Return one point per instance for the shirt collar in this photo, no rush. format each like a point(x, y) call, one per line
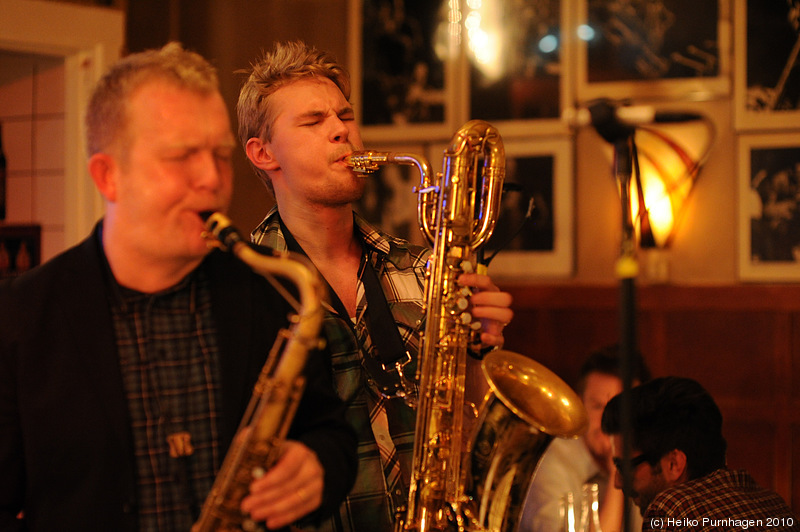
point(268, 233)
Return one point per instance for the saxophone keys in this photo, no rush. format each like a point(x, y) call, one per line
point(248, 525)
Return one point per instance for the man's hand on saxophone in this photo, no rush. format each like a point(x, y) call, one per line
point(490, 305)
point(291, 489)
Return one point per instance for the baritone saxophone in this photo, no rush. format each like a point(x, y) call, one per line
point(277, 392)
point(527, 406)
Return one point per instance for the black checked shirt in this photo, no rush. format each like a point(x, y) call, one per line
point(168, 355)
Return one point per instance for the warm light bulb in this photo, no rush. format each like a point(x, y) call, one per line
point(659, 208)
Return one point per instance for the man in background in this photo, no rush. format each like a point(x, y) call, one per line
point(569, 464)
point(679, 477)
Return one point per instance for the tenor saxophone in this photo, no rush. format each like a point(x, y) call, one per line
point(277, 391)
point(483, 489)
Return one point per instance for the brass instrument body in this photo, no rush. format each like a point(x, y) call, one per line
point(278, 389)
point(471, 181)
point(481, 490)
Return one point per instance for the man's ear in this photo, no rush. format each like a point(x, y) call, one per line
point(103, 169)
point(673, 464)
point(260, 154)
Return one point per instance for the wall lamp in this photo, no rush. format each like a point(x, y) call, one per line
point(657, 159)
point(667, 162)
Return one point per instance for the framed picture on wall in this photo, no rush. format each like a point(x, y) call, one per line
point(769, 214)
point(514, 65)
point(402, 58)
point(534, 234)
point(645, 49)
point(767, 76)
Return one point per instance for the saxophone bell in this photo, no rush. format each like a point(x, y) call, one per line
point(526, 408)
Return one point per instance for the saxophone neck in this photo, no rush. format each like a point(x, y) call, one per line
point(368, 162)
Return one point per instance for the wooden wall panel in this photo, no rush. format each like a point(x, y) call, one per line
point(731, 353)
point(751, 446)
point(741, 342)
point(558, 338)
point(795, 468)
point(794, 358)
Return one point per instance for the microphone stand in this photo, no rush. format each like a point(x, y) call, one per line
point(621, 137)
point(626, 269)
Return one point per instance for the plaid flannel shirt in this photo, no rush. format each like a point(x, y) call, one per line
point(401, 270)
point(168, 355)
point(724, 500)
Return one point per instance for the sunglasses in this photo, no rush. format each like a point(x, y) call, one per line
point(635, 462)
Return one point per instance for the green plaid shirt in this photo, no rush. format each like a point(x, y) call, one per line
point(401, 270)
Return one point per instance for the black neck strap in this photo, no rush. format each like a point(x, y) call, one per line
point(382, 328)
point(386, 340)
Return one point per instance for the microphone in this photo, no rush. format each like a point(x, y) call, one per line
point(614, 121)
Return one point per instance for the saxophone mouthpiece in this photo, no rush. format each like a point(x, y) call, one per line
point(363, 162)
point(220, 230)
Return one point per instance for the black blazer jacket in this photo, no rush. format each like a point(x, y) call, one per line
point(65, 441)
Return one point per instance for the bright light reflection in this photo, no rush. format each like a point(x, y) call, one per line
point(484, 38)
point(473, 21)
point(570, 509)
point(548, 43)
point(447, 37)
point(668, 162)
point(478, 41)
point(586, 32)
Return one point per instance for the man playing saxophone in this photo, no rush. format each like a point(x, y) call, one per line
point(298, 127)
point(127, 361)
